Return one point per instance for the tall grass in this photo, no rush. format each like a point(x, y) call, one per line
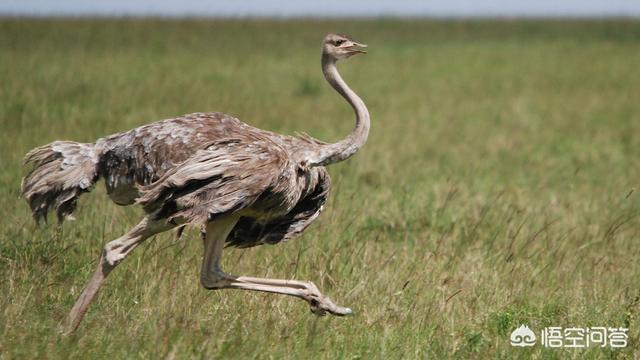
point(498, 187)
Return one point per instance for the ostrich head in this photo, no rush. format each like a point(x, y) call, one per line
point(338, 47)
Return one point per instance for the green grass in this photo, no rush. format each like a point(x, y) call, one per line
point(498, 187)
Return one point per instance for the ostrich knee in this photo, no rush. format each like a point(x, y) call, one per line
point(214, 280)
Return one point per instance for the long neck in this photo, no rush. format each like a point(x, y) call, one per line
point(343, 149)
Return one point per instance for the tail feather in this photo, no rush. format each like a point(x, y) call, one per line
point(61, 172)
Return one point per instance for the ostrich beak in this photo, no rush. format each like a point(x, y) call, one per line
point(357, 48)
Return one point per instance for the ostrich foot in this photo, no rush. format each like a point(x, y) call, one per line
point(323, 305)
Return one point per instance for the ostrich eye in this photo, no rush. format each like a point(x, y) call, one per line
point(339, 42)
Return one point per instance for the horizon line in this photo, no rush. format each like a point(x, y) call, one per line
point(193, 16)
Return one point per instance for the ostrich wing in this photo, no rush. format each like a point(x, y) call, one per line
point(227, 176)
point(250, 232)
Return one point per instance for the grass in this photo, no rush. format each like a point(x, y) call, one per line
point(498, 187)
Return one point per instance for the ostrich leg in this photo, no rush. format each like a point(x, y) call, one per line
point(213, 278)
point(114, 252)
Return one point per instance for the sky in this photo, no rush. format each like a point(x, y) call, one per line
point(325, 8)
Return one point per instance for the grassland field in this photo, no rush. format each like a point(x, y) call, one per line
point(499, 187)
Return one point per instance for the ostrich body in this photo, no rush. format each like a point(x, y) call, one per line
point(244, 186)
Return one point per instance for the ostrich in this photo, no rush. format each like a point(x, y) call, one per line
point(243, 186)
